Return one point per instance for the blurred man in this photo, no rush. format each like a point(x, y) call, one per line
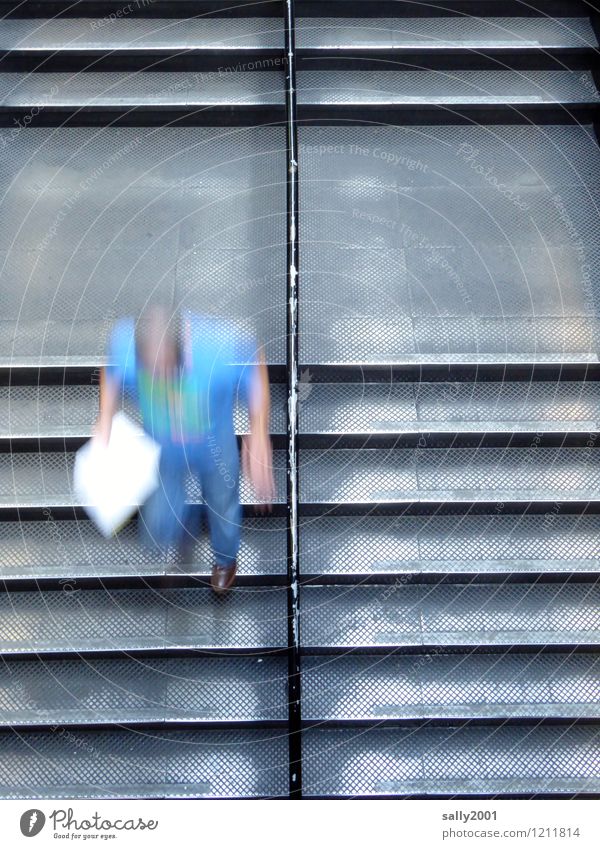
point(185, 372)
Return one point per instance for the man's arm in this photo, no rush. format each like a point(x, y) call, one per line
point(257, 452)
point(109, 397)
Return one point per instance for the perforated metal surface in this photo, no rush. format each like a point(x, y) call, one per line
point(141, 88)
point(140, 34)
point(448, 245)
point(95, 219)
point(451, 760)
point(74, 549)
point(75, 620)
point(445, 87)
point(67, 692)
point(434, 686)
point(45, 411)
point(450, 615)
point(403, 408)
point(45, 480)
point(448, 544)
point(126, 764)
point(372, 475)
point(436, 33)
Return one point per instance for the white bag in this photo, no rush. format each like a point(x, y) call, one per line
point(111, 481)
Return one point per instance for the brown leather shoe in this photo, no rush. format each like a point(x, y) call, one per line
point(222, 577)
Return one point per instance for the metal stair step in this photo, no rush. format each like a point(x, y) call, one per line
point(135, 691)
point(414, 616)
point(454, 475)
point(502, 406)
point(151, 36)
point(450, 761)
point(41, 412)
point(126, 764)
point(38, 480)
point(71, 621)
point(378, 546)
point(416, 35)
point(458, 687)
point(156, 90)
point(67, 551)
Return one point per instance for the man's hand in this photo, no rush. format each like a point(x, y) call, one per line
point(257, 463)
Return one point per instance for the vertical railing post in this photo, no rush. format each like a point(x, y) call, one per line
point(294, 706)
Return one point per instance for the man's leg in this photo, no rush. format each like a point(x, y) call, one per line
point(162, 518)
point(220, 481)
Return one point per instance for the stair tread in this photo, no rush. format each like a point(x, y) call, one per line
point(31, 479)
point(384, 88)
point(127, 620)
point(125, 690)
point(520, 406)
point(69, 550)
point(551, 759)
point(433, 33)
point(141, 89)
point(438, 686)
point(378, 475)
point(449, 615)
point(126, 764)
point(41, 411)
point(379, 545)
point(140, 34)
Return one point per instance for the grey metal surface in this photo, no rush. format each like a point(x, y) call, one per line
point(69, 550)
point(72, 691)
point(431, 33)
point(49, 411)
point(450, 615)
point(449, 244)
point(127, 764)
point(373, 475)
point(132, 89)
point(495, 544)
point(45, 480)
point(501, 406)
point(74, 620)
point(381, 88)
point(437, 686)
point(92, 220)
point(140, 34)
point(551, 759)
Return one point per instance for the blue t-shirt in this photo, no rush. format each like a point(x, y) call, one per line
point(219, 365)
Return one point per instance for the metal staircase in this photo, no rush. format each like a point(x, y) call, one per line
point(420, 614)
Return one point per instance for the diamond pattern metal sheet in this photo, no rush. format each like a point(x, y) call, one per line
point(404, 408)
point(45, 480)
point(140, 34)
point(550, 759)
point(380, 545)
point(448, 245)
point(434, 686)
point(126, 764)
point(49, 411)
point(141, 89)
point(384, 88)
point(71, 691)
point(74, 549)
point(74, 620)
point(374, 476)
point(450, 615)
point(433, 33)
point(90, 215)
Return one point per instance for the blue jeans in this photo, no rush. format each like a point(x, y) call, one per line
point(165, 517)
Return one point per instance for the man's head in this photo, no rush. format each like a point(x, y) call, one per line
point(156, 337)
